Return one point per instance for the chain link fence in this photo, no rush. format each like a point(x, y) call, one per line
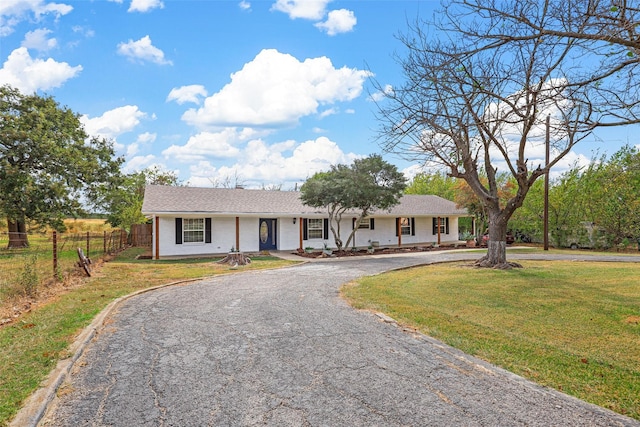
point(49, 257)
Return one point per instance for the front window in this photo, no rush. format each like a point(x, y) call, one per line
point(442, 225)
point(365, 223)
point(193, 230)
point(315, 228)
point(405, 226)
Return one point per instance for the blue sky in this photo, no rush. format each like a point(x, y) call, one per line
point(259, 92)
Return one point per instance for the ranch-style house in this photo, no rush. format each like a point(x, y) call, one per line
point(193, 221)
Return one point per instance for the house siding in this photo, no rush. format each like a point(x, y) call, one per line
point(223, 235)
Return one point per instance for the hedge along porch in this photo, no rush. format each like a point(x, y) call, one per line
point(190, 221)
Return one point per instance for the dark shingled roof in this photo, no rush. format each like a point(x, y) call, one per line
point(159, 199)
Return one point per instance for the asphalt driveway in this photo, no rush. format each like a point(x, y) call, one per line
point(282, 348)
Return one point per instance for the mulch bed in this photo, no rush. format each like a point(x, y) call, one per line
point(377, 251)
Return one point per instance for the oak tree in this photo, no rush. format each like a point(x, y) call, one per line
point(123, 201)
point(369, 184)
point(49, 167)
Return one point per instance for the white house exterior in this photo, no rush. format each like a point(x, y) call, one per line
point(190, 221)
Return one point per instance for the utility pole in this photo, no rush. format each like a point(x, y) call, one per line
point(546, 188)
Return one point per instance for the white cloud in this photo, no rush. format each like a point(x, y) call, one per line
point(113, 122)
point(206, 145)
point(30, 75)
point(133, 149)
point(537, 158)
point(145, 5)
point(338, 21)
point(305, 9)
point(191, 93)
point(379, 96)
point(286, 162)
point(38, 40)
point(143, 50)
point(12, 12)
point(328, 112)
point(139, 163)
point(84, 31)
point(245, 5)
point(146, 138)
point(276, 89)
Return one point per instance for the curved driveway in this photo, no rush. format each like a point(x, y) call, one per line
point(281, 348)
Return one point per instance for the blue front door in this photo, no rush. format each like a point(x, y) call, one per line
point(268, 233)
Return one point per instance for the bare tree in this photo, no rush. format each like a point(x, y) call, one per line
point(482, 81)
point(228, 181)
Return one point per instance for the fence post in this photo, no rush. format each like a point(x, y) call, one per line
point(104, 242)
point(55, 254)
point(87, 244)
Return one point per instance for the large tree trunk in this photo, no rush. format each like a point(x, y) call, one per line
point(497, 245)
point(17, 234)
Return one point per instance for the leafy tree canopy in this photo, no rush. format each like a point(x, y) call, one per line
point(124, 200)
point(49, 167)
point(365, 186)
point(437, 184)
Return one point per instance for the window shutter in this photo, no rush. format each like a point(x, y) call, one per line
point(353, 223)
point(207, 230)
point(178, 231)
point(435, 224)
point(413, 226)
point(397, 226)
point(446, 225)
point(326, 228)
point(305, 235)
point(372, 222)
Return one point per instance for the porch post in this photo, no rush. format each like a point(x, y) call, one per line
point(438, 230)
point(399, 231)
point(157, 236)
point(300, 233)
point(238, 234)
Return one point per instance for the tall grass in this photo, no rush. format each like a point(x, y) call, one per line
point(24, 271)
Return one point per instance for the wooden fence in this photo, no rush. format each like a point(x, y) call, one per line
point(140, 235)
point(52, 256)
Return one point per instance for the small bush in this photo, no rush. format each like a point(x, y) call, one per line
point(28, 280)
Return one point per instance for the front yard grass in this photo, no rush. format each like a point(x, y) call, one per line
point(572, 326)
point(31, 347)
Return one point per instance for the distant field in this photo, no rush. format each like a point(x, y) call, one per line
point(73, 225)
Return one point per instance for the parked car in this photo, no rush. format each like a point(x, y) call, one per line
point(586, 236)
point(484, 240)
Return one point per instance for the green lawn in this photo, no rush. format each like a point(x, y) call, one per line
point(573, 326)
point(31, 347)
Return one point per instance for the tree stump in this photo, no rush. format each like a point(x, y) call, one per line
point(235, 259)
